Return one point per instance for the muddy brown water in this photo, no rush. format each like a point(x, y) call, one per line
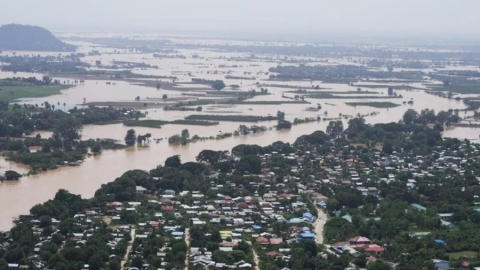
point(18, 197)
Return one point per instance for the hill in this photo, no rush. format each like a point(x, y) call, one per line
point(30, 38)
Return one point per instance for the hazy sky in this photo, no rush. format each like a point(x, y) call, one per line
point(269, 18)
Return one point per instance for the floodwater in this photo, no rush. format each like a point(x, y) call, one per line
point(18, 197)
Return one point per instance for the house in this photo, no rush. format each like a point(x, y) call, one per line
point(170, 192)
point(445, 216)
point(262, 240)
point(374, 249)
point(141, 190)
point(276, 241)
point(441, 264)
point(305, 236)
point(168, 208)
point(446, 224)
point(308, 217)
point(419, 207)
point(440, 241)
point(359, 240)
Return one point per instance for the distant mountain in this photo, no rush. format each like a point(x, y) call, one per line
point(30, 38)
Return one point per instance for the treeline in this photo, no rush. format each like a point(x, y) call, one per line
point(44, 64)
point(20, 81)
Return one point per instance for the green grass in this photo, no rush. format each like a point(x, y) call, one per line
point(330, 96)
point(197, 102)
point(271, 102)
point(231, 118)
point(145, 123)
point(311, 92)
point(235, 93)
point(374, 104)
point(458, 255)
point(193, 122)
point(158, 123)
point(12, 93)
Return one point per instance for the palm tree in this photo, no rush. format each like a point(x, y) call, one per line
point(64, 104)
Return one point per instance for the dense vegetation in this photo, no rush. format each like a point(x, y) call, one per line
point(64, 147)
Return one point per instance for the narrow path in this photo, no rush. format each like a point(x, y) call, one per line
point(129, 248)
point(319, 224)
point(187, 242)
point(255, 256)
point(256, 260)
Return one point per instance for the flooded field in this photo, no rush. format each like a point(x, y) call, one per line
point(18, 197)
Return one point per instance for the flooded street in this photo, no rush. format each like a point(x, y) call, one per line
point(18, 197)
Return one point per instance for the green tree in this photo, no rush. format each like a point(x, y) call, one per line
point(130, 138)
point(185, 134)
point(409, 116)
point(387, 147)
point(284, 124)
point(173, 162)
point(335, 129)
point(95, 262)
point(218, 85)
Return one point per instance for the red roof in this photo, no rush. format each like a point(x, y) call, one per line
point(154, 223)
point(374, 248)
point(228, 244)
point(112, 204)
point(465, 264)
point(371, 259)
point(262, 240)
point(276, 241)
point(273, 254)
point(167, 208)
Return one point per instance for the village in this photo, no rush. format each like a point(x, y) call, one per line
point(322, 202)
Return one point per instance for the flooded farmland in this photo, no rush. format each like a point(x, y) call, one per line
point(249, 73)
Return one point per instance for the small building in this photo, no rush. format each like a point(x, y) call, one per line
point(359, 240)
point(308, 217)
point(419, 207)
point(141, 190)
point(446, 224)
point(169, 192)
point(441, 264)
point(445, 216)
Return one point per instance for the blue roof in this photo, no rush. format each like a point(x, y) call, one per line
point(439, 241)
point(307, 215)
point(256, 227)
point(177, 233)
point(307, 235)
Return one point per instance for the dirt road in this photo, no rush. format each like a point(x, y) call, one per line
point(319, 224)
point(187, 242)
point(129, 248)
